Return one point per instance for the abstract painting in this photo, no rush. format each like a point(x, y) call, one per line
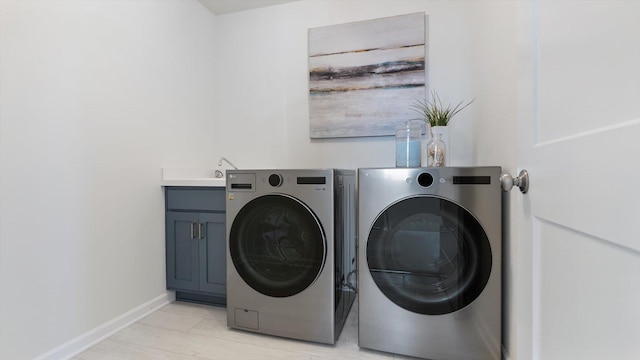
point(364, 76)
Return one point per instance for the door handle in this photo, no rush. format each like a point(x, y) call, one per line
point(200, 231)
point(192, 231)
point(521, 181)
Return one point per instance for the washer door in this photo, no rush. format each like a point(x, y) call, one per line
point(429, 255)
point(277, 245)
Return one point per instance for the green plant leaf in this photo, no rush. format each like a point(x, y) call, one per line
point(435, 112)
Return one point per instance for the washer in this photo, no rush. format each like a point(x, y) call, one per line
point(291, 251)
point(430, 262)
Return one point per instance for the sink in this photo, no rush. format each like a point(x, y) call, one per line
point(191, 177)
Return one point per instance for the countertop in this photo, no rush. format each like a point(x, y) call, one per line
point(191, 177)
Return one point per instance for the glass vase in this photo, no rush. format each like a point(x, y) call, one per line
point(436, 151)
point(408, 138)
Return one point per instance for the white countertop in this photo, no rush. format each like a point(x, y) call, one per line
point(191, 177)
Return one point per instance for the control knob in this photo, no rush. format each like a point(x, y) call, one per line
point(275, 180)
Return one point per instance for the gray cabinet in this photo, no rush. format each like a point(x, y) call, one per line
point(196, 243)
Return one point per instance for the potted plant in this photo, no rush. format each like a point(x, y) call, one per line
point(435, 112)
point(437, 115)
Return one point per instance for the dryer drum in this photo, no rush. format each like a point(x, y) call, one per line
point(277, 245)
point(429, 255)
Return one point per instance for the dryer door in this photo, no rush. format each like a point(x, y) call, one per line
point(277, 245)
point(429, 255)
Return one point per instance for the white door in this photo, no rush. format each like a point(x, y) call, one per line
point(578, 287)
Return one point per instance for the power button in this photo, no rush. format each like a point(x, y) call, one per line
point(275, 180)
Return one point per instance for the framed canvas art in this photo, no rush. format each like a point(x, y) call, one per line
point(364, 76)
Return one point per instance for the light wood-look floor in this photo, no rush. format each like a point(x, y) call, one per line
point(186, 331)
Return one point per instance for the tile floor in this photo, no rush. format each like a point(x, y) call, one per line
point(186, 331)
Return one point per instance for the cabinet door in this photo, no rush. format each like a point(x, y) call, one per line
point(182, 251)
point(213, 269)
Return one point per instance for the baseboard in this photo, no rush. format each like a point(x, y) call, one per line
point(92, 337)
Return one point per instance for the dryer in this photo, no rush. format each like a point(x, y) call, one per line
point(291, 251)
point(430, 262)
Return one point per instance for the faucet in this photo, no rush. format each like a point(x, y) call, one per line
point(227, 161)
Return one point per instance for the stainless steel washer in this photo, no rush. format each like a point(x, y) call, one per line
point(430, 261)
point(291, 252)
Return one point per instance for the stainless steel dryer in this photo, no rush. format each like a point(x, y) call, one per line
point(291, 252)
point(430, 262)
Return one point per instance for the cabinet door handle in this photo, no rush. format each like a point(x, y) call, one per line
point(192, 231)
point(200, 231)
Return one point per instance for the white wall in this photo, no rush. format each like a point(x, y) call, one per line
point(494, 131)
point(263, 81)
point(263, 87)
point(96, 97)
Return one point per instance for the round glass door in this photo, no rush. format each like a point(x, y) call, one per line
point(277, 245)
point(429, 255)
